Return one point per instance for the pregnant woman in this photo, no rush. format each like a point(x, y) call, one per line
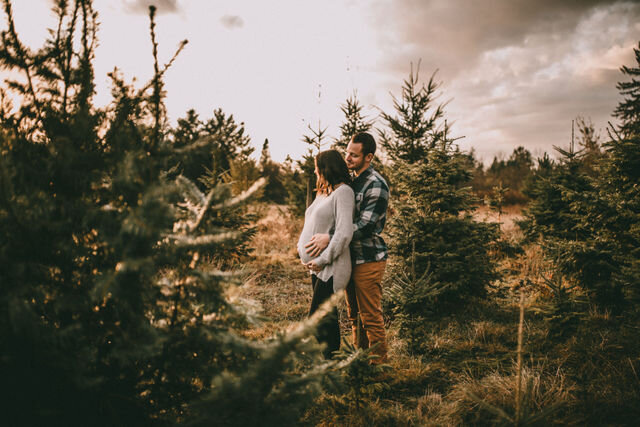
point(331, 212)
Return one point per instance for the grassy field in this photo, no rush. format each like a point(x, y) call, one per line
point(579, 364)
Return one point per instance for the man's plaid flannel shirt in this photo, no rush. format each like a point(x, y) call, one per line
point(372, 197)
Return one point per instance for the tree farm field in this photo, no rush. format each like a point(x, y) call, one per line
point(472, 352)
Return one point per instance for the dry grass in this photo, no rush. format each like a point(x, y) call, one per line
point(594, 373)
point(278, 282)
point(499, 390)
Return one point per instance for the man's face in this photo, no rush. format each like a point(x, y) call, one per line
point(355, 160)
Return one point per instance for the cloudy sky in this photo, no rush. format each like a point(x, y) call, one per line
point(514, 72)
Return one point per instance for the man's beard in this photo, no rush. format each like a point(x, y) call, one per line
point(356, 166)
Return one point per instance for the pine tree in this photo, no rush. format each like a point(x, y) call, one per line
point(512, 173)
point(302, 189)
point(417, 127)
point(216, 152)
point(436, 217)
point(274, 190)
point(433, 202)
point(589, 140)
point(110, 313)
point(619, 182)
point(564, 213)
point(210, 147)
point(354, 122)
point(585, 208)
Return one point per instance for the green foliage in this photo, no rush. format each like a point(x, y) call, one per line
point(216, 153)
point(497, 199)
point(274, 191)
point(564, 309)
point(302, 179)
point(413, 300)
point(586, 209)
point(433, 201)
point(362, 377)
point(111, 312)
point(278, 385)
point(416, 129)
point(210, 146)
point(436, 218)
point(564, 213)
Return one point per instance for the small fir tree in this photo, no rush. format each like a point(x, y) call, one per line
point(354, 122)
point(416, 129)
point(302, 189)
point(274, 190)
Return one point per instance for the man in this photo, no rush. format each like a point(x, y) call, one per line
point(368, 249)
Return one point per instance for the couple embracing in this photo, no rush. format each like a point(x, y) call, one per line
point(341, 245)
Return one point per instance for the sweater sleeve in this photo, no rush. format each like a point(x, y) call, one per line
point(344, 206)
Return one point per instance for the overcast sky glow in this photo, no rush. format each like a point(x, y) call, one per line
point(516, 72)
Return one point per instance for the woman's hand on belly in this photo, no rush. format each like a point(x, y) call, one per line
point(312, 266)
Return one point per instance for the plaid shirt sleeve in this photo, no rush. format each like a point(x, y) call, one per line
point(372, 210)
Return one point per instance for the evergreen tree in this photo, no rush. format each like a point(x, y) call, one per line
point(433, 203)
point(416, 129)
point(302, 189)
point(214, 153)
point(354, 122)
point(274, 190)
point(210, 147)
point(433, 212)
point(589, 140)
point(110, 313)
point(587, 209)
point(228, 138)
point(558, 214)
point(620, 175)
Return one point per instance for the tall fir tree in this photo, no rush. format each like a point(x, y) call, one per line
point(417, 128)
point(588, 214)
point(432, 227)
point(620, 178)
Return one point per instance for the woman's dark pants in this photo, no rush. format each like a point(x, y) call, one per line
point(328, 331)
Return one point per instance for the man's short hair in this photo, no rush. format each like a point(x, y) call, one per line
point(367, 141)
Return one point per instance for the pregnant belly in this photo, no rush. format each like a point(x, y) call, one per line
point(304, 257)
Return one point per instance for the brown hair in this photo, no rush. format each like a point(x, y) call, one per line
point(367, 141)
point(332, 170)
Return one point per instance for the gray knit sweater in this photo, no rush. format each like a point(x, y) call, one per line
point(331, 214)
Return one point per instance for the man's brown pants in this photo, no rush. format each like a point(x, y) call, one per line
point(364, 296)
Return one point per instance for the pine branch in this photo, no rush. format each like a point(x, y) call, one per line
point(241, 197)
point(182, 241)
point(156, 76)
point(23, 56)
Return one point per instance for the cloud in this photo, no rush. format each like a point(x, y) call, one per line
point(232, 21)
point(518, 71)
point(142, 6)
